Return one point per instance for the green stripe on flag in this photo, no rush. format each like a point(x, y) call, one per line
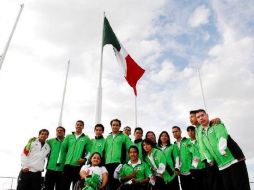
point(109, 36)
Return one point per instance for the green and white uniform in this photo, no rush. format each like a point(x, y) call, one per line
point(74, 148)
point(157, 160)
point(214, 142)
point(142, 168)
point(182, 155)
point(116, 147)
point(98, 144)
point(168, 152)
point(53, 160)
point(138, 144)
point(198, 134)
point(197, 163)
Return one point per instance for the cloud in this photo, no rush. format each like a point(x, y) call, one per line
point(199, 17)
point(235, 16)
point(165, 74)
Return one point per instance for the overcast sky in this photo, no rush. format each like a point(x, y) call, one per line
point(169, 39)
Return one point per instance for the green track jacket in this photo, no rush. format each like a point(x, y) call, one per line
point(73, 149)
point(168, 152)
point(183, 155)
point(138, 143)
point(211, 142)
point(143, 170)
point(160, 161)
point(196, 156)
point(55, 147)
point(115, 150)
point(98, 144)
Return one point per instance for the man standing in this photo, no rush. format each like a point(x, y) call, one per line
point(33, 161)
point(74, 150)
point(115, 151)
point(231, 164)
point(53, 177)
point(182, 158)
point(138, 133)
point(212, 177)
point(198, 171)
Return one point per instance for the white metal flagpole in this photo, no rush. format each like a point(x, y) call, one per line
point(99, 94)
point(99, 90)
point(10, 37)
point(64, 91)
point(202, 90)
point(136, 114)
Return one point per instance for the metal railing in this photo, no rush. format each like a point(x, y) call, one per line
point(8, 183)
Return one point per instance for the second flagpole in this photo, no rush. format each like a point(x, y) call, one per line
point(64, 91)
point(136, 113)
point(99, 90)
point(10, 37)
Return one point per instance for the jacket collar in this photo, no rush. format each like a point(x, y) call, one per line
point(137, 141)
point(82, 134)
point(139, 162)
point(100, 137)
point(182, 139)
point(119, 132)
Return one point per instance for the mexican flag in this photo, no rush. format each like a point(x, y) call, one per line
point(132, 71)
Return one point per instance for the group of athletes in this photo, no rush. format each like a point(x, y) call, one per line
point(209, 159)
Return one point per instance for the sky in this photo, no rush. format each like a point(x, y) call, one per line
point(171, 40)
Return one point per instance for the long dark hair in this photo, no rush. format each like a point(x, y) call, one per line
point(153, 135)
point(147, 141)
point(159, 140)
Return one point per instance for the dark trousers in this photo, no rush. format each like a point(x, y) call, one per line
point(29, 181)
point(113, 183)
point(236, 177)
point(186, 182)
point(198, 178)
point(53, 179)
point(159, 183)
point(70, 175)
point(213, 178)
point(174, 184)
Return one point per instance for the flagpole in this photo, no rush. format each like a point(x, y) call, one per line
point(136, 113)
point(202, 89)
point(64, 91)
point(10, 37)
point(99, 89)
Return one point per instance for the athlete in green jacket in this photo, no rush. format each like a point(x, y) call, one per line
point(183, 158)
point(138, 133)
point(115, 151)
point(98, 142)
point(198, 170)
point(215, 141)
point(157, 161)
point(135, 174)
point(75, 148)
point(210, 174)
point(53, 177)
point(167, 148)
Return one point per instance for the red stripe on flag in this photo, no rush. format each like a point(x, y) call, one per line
point(134, 73)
